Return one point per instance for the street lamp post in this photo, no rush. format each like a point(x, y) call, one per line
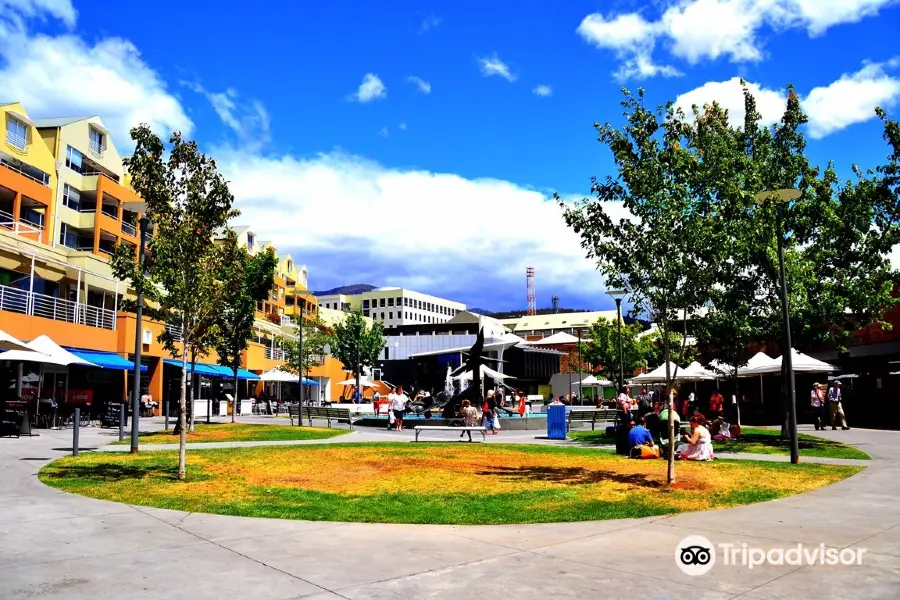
point(300, 369)
point(781, 197)
point(618, 295)
point(144, 223)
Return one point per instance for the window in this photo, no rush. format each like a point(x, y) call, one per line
point(382, 316)
point(71, 197)
point(399, 301)
point(366, 312)
point(387, 353)
point(406, 302)
point(365, 304)
point(95, 144)
point(250, 241)
point(390, 301)
point(290, 266)
point(390, 315)
point(74, 159)
point(67, 238)
point(381, 302)
point(16, 132)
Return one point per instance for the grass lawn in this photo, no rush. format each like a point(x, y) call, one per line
point(754, 441)
point(429, 483)
point(240, 432)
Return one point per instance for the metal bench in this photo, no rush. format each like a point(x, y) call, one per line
point(603, 416)
point(420, 428)
point(330, 414)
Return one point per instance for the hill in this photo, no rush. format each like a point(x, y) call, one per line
point(347, 290)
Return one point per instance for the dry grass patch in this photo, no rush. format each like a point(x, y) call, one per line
point(462, 484)
point(240, 432)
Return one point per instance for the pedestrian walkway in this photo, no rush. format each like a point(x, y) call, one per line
point(61, 546)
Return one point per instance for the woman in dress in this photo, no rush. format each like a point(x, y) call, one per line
point(469, 415)
point(697, 445)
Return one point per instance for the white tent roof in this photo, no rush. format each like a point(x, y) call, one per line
point(696, 372)
point(801, 363)
point(658, 374)
point(757, 361)
point(8, 342)
point(352, 382)
point(44, 350)
point(485, 372)
point(592, 380)
point(277, 374)
point(560, 337)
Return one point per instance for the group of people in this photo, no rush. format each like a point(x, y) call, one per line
point(647, 416)
point(825, 406)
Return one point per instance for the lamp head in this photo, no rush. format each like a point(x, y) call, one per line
point(617, 294)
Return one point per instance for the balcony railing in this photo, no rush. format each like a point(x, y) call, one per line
point(95, 147)
point(15, 140)
point(129, 229)
point(89, 172)
point(38, 305)
point(274, 353)
point(31, 173)
point(110, 211)
point(174, 331)
point(20, 227)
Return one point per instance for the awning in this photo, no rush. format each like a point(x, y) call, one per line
point(202, 368)
point(242, 374)
point(106, 360)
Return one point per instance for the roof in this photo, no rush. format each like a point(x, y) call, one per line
point(58, 122)
point(560, 337)
point(558, 320)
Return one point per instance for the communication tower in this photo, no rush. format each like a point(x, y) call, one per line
point(554, 301)
point(531, 308)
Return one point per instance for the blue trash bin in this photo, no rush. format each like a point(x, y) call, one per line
point(556, 421)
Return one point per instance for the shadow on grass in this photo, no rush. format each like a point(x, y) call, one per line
point(569, 475)
point(110, 472)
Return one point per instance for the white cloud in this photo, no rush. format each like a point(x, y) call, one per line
point(384, 132)
point(370, 89)
point(429, 22)
point(420, 83)
point(463, 255)
point(697, 30)
point(64, 76)
point(730, 96)
point(20, 10)
point(493, 66)
point(851, 99)
point(542, 90)
point(402, 126)
point(249, 120)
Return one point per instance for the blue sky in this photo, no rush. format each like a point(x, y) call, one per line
point(435, 174)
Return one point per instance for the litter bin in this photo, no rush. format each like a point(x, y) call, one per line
point(556, 421)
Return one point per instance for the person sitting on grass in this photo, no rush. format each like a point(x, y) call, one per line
point(698, 444)
point(641, 442)
point(664, 426)
point(469, 416)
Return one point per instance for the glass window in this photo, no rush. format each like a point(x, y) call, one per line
point(390, 315)
point(390, 301)
point(16, 132)
point(96, 141)
point(399, 301)
point(406, 302)
point(67, 238)
point(71, 197)
point(249, 241)
point(381, 302)
point(74, 159)
point(387, 354)
point(382, 316)
point(365, 304)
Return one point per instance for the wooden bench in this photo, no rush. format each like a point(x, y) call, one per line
point(420, 428)
point(330, 414)
point(603, 416)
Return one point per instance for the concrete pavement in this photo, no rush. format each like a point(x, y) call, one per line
point(57, 545)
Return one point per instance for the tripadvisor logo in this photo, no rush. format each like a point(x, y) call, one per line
point(696, 555)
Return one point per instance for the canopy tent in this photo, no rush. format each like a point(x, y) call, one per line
point(485, 372)
point(8, 342)
point(757, 361)
point(558, 338)
point(282, 376)
point(696, 372)
point(105, 360)
point(352, 382)
point(801, 363)
point(658, 375)
point(591, 381)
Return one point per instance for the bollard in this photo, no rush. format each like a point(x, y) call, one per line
point(166, 412)
point(121, 422)
point(75, 430)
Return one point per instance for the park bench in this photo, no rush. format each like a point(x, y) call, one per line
point(594, 416)
point(420, 428)
point(328, 413)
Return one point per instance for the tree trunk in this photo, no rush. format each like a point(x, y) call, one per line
point(182, 405)
point(234, 401)
point(737, 394)
point(670, 472)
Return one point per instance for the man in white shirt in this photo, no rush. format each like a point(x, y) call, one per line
point(834, 406)
point(399, 401)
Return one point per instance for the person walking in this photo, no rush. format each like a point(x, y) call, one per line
point(469, 415)
point(398, 406)
point(835, 409)
point(817, 406)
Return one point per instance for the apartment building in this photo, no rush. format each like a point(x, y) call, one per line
point(396, 306)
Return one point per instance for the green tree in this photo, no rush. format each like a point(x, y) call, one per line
point(246, 280)
point(356, 344)
point(316, 338)
point(601, 348)
point(660, 252)
point(188, 201)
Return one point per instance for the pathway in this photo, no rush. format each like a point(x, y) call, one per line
point(57, 545)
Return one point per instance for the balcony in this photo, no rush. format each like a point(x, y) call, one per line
point(20, 227)
point(58, 309)
point(15, 140)
point(24, 170)
point(275, 353)
point(129, 229)
point(174, 331)
point(95, 148)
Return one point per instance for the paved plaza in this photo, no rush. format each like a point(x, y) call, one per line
point(57, 545)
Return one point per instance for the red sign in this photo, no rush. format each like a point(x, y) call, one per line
point(75, 396)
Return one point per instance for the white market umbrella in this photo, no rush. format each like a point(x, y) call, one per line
point(801, 363)
point(556, 339)
point(352, 382)
point(591, 381)
point(658, 375)
point(279, 375)
point(696, 372)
